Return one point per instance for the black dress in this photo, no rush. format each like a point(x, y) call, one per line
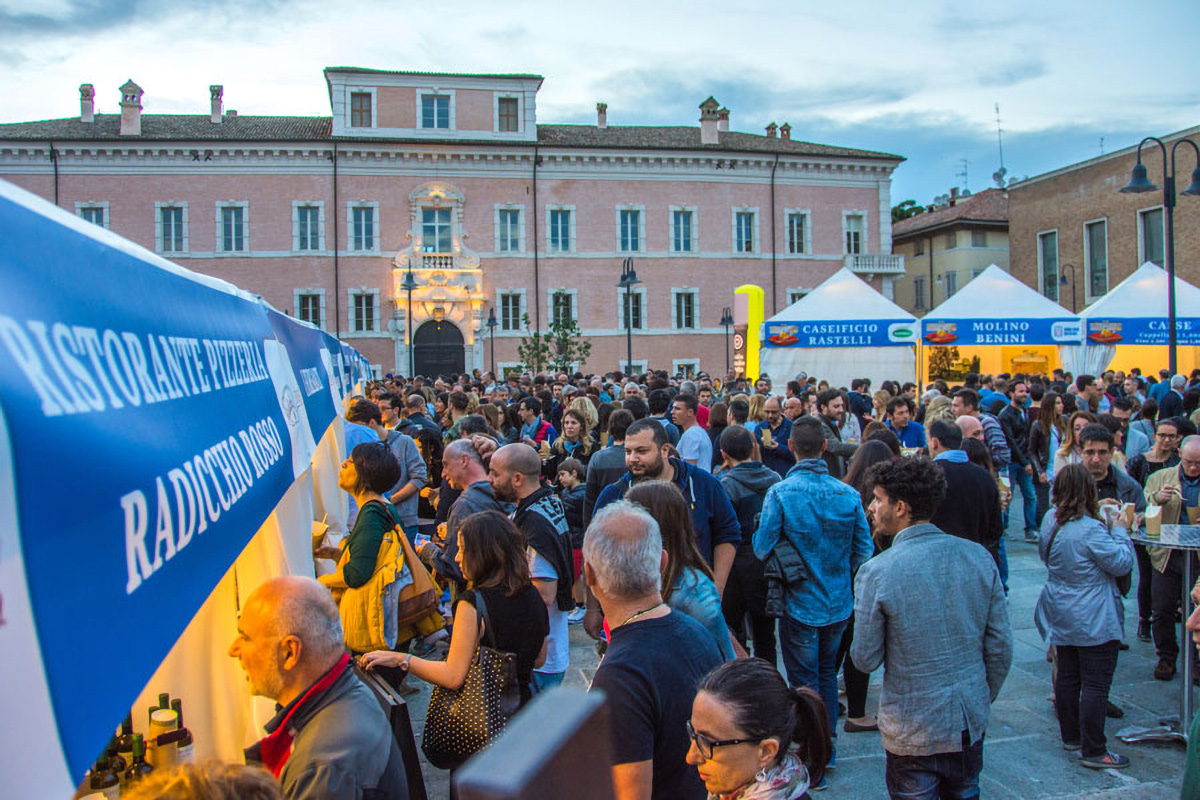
point(520, 625)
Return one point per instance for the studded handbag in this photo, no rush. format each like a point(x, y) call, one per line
point(461, 722)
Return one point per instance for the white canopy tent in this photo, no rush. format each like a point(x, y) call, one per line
point(1129, 325)
point(1001, 319)
point(843, 329)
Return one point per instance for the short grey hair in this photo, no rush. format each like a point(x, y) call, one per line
point(624, 547)
point(1178, 381)
point(687, 387)
point(305, 609)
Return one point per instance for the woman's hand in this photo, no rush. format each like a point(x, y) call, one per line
point(382, 658)
point(332, 553)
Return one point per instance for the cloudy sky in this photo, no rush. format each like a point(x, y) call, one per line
point(920, 79)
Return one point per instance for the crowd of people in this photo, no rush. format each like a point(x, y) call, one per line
point(703, 531)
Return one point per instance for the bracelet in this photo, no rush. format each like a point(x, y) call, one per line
point(407, 658)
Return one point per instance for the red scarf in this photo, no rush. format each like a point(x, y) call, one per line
point(276, 747)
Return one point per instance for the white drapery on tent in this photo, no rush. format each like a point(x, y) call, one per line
point(843, 329)
point(1134, 313)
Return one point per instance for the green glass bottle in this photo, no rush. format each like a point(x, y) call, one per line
point(185, 753)
point(103, 780)
point(139, 767)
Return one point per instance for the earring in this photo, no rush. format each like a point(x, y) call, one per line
point(761, 775)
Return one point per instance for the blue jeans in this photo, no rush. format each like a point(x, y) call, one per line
point(1002, 560)
point(1018, 477)
point(544, 681)
point(942, 776)
point(810, 658)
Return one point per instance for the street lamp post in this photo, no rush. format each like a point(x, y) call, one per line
point(628, 279)
point(410, 283)
point(492, 323)
point(1139, 183)
point(1062, 281)
point(726, 322)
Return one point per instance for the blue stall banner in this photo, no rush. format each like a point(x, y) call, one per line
point(840, 333)
point(149, 446)
point(1141, 330)
point(315, 397)
point(1001, 331)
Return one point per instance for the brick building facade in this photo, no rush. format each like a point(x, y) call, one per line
point(1073, 223)
point(453, 177)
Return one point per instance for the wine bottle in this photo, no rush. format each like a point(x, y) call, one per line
point(164, 701)
point(116, 763)
point(103, 780)
point(186, 753)
point(139, 767)
point(125, 743)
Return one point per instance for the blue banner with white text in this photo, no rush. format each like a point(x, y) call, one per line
point(155, 424)
point(963, 332)
point(840, 333)
point(1140, 330)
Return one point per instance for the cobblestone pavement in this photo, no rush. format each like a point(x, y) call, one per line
point(1023, 757)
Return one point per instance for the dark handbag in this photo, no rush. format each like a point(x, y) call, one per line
point(461, 722)
point(785, 567)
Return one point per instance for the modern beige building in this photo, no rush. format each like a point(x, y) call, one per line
point(945, 248)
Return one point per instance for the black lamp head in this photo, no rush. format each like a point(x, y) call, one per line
point(1193, 189)
point(1138, 182)
point(410, 282)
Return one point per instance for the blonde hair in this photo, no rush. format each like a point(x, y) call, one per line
point(585, 407)
point(211, 780)
point(939, 407)
point(757, 402)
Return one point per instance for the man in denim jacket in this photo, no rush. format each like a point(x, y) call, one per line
point(823, 519)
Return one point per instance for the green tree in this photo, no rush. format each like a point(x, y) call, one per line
point(560, 347)
point(906, 209)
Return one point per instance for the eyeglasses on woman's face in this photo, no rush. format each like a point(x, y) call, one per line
point(706, 746)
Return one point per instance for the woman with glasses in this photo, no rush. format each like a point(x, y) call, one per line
point(745, 721)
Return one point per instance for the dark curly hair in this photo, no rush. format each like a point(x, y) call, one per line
point(918, 481)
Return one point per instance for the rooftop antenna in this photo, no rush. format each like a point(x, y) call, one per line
point(998, 175)
point(964, 175)
point(1101, 145)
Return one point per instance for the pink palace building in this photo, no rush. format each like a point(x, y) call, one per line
point(452, 177)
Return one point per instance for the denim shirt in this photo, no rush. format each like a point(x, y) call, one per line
point(823, 519)
point(695, 595)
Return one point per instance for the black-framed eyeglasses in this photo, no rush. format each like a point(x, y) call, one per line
point(706, 745)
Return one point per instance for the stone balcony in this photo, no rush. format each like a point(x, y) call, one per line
point(874, 264)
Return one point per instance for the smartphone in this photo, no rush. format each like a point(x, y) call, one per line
point(420, 540)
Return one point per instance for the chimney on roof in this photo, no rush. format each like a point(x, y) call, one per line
point(601, 115)
point(87, 106)
point(131, 109)
point(953, 195)
point(722, 119)
point(785, 131)
point(215, 93)
point(709, 121)
point(771, 130)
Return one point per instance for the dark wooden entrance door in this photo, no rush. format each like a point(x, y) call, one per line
point(438, 349)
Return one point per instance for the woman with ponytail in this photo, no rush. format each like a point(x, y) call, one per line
point(744, 722)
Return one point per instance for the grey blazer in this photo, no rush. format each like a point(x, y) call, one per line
point(931, 610)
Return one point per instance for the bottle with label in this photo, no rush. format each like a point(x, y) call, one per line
point(185, 753)
point(164, 701)
point(161, 740)
point(104, 781)
point(116, 763)
point(139, 767)
point(125, 743)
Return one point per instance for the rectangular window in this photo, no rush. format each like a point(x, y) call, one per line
point(631, 309)
point(630, 227)
point(797, 232)
point(308, 227)
point(682, 231)
point(308, 308)
point(1151, 230)
point(855, 233)
point(435, 230)
point(506, 114)
point(951, 279)
point(743, 234)
point(509, 233)
point(360, 109)
point(94, 214)
point(978, 238)
point(1048, 263)
point(170, 229)
point(919, 247)
point(510, 311)
point(919, 293)
point(951, 240)
point(435, 111)
point(560, 230)
point(362, 312)
point(796, 295)
point(685, 311)
point(562, 307)
point(362, 228)
point(233, 229)
point(1096, 241)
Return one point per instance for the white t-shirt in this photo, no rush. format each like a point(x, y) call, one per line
point(695, 445)
point(558, 643)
